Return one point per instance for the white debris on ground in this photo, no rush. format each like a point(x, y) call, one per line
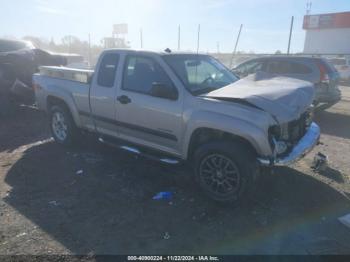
point(21, 234)
point(166, 236)
point(54, 203)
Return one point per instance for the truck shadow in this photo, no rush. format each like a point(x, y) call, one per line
point(333, 174)
point(107, 208)
point(334, 124)
point(25, 125)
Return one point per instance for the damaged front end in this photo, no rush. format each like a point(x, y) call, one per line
point(288, 102)
point(292, 140)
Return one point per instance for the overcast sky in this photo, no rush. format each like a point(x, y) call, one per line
point(265, 22)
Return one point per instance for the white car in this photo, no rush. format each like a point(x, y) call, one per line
point(343, 67)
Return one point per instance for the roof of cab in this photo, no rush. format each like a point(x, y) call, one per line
point(150, 51)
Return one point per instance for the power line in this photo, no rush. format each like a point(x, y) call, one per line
point(290, 34)
point(234, 50)
point(199, 30)
point(141, 38)
point(178, 38)
point(308, 7)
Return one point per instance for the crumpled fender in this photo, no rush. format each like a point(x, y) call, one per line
point(257, 137)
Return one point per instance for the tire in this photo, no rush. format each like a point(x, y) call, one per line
point(62, 126)
point(235, 177)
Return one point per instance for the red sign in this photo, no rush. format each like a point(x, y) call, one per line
point(327, 21)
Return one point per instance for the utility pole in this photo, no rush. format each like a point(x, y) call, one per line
point(89, 50)
point(178, 38)
point(308, 7)
point(70, 44)
point(218, 47)
point(290, 34)
point(235, 49)
point(141, 38)
point(199, 30)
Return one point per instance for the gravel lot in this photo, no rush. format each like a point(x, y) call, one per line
point(47, 208)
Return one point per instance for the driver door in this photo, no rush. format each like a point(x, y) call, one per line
point(142, 118)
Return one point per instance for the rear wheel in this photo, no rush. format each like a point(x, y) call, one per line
point(62, 126)
point(225, 170)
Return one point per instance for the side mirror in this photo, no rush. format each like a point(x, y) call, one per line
point(163, 91)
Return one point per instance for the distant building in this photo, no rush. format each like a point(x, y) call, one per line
point(112, 42)
point(327, 33)
point(118, 39)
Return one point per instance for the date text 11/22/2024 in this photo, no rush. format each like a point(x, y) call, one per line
point(173, 258)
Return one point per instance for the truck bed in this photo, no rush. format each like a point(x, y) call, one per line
point(68, 84)
point(66, 73)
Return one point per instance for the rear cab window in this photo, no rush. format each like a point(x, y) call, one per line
point(107, 70)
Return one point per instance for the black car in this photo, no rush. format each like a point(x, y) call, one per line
point(19, 60)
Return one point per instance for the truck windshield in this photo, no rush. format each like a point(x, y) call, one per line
point(200, 73)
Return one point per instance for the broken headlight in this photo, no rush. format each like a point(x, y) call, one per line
point(278, 135)
point(309, 115)
point(279, 132)
point(284, 136)
point(280, 147)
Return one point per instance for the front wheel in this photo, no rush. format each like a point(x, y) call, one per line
point(62, 126)
point(225, 170)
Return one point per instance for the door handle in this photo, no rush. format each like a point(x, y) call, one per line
point(124, 99)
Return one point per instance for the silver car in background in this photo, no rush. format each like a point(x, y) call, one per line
point(318, 71)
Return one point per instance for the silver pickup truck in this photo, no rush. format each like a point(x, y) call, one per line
point(174, 107)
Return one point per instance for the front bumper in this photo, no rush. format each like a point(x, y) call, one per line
point(306, 143)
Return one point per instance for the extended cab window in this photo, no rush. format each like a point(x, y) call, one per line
point(108, 69)
point(140, 73)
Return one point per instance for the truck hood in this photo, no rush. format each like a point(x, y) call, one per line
point(284, 98)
